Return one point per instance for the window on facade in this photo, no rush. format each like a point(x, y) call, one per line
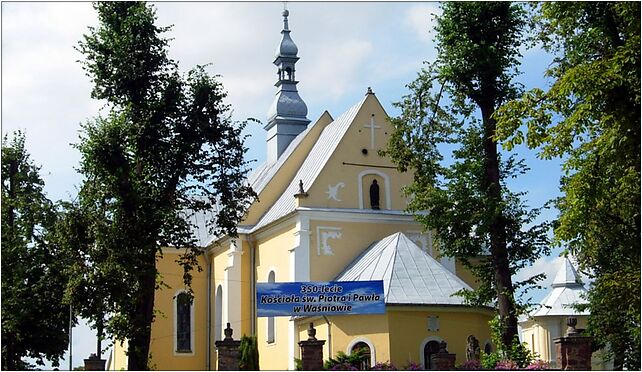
point(432, 347)
point(364, 349)
point(270, 320)
point(183, 323)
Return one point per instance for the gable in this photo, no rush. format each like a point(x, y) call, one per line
point(271, 178)
point(345, 179)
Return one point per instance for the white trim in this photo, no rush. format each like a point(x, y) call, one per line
point(357, 215)
point(423, 345)
point(386, 180)
point(373, 353)
point(299, 266)
point(273, 229)
point(192, 346)
point(231, 294)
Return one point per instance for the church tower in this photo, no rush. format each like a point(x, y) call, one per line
point(287, 116)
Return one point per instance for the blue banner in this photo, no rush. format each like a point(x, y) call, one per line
point(320, 298)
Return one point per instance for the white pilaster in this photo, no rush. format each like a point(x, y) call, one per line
point(232, 294)
point(299, 272)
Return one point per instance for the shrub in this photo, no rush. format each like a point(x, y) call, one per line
point(489, 361)
point(345, 366)
point(506, 364)
point(471, 365)
point(355, 359)
point(249, 350)
point(412, 366)
point(538, 365)
point(387, 366)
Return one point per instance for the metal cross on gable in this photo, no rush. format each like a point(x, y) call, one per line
point(372, 127)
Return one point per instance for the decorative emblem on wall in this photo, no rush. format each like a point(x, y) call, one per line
point(324, 233)
point(333, 191)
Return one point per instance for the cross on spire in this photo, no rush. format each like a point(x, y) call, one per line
point(372, 127)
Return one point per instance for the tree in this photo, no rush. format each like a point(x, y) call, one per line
point(35, 320)
point(590, 117)
point(249, 350)
point(451, 107)
point(166, 149)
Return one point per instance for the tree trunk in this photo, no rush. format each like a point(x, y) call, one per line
point(10, 357)
point(498, 247)
point(138, 350)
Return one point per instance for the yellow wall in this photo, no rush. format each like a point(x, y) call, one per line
point(409, 328)
point(162, 350)
point(355, 237)
point(273, 254)
point(349, 150)
point(397, 336)
point(118, 358)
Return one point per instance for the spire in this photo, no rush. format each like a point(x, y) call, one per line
point(566, 276)
point(287, 116)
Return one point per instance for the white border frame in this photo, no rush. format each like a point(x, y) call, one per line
point(191, 325)
point(373, 351)
point(386, 180)
point(423, 345)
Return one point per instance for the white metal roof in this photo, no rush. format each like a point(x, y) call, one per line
point(410, 275)
point(312, 165)
point(567, 289)
point(262, 175)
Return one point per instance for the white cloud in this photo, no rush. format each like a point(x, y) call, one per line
point(333, 67)
point(420, 18)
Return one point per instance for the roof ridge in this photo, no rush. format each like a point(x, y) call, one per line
point(286, 202)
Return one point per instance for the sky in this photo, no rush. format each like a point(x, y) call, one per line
point(344, 49)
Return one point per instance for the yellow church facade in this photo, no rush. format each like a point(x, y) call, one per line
point(329, 207)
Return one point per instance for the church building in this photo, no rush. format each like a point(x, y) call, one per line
point(329, 208)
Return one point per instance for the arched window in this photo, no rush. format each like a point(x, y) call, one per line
point(363, 348)
point(218, 314)
point(183, 317)
point(270, 320)
point(431, 347)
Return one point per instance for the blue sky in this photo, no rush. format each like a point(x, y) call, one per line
point(344, 48)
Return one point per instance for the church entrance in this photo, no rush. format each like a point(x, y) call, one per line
point(432, 347)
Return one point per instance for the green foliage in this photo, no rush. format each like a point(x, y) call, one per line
point(298, 364)
point(590, 117)
point(354, 360)
point(35, 320)
point(450, 109)
point(489, 361)
point(516, 352)
point(249, 350)
point(164, 150)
